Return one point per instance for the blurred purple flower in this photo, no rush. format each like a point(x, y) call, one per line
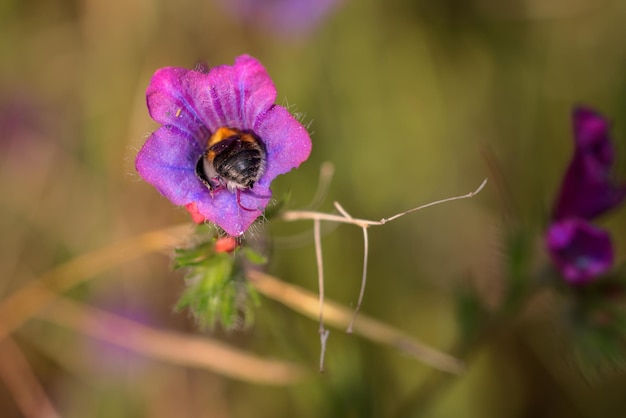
point(23, 120)
point(282, 16)
point(202, 110)
point(588, 189)
point(581, 251)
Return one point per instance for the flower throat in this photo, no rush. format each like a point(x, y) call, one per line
point(234, 159)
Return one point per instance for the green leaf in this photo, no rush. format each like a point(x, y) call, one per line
point(598, 332)
point(217, 292)
point(254, 256)
point(472, 316)
point(194, 256)
point(518, 267)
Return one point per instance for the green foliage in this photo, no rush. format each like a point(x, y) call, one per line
point(253, 256)
point(597, 320)
point(217, 291)
point(518, 267)
point(472, 316)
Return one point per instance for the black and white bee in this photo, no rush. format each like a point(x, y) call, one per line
point(234, 159)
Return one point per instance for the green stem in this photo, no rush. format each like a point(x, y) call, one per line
point(430, 389)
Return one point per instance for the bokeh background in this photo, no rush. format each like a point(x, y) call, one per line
point(412, 101)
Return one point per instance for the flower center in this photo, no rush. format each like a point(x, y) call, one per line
point(234, 159)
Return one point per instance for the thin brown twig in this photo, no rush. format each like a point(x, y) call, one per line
point(173, 347)
point(364, 273)
point(363, 281)
point(338, 316)
point(345, 217)
point(19, 378)
point(299, 215)
point(320, 276)
point(28, 301)
point(436, 202)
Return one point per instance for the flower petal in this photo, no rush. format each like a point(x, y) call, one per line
point(167, 160)
point(193, 105)
point(580, 251)
point(171, 100)
point(236, 95)
point(588, 189)
point(585, 193)
point(287, 142)
point(285, 17)
point(233, 216)
point(200, 103)
point(591, 132)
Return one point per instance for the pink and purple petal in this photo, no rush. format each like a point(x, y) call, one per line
point(171, 101)
point(588, 189)
point(591, 133)
point(167, 161)
point(580, 251)
point(234, 216)
point(287, 142)
point(192, 105)
point(286, 17)
point(236, 95)
point(200, 103)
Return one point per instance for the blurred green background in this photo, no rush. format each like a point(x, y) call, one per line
point(412, 101)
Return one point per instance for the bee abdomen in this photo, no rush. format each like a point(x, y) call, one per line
point(234, 159)
point(242, 167)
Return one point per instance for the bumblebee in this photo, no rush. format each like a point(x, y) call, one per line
point(234, 159)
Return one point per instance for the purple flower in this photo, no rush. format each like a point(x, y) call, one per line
point(282, 16)
point(588, 189)
point(222, 142)
point(581, 251)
